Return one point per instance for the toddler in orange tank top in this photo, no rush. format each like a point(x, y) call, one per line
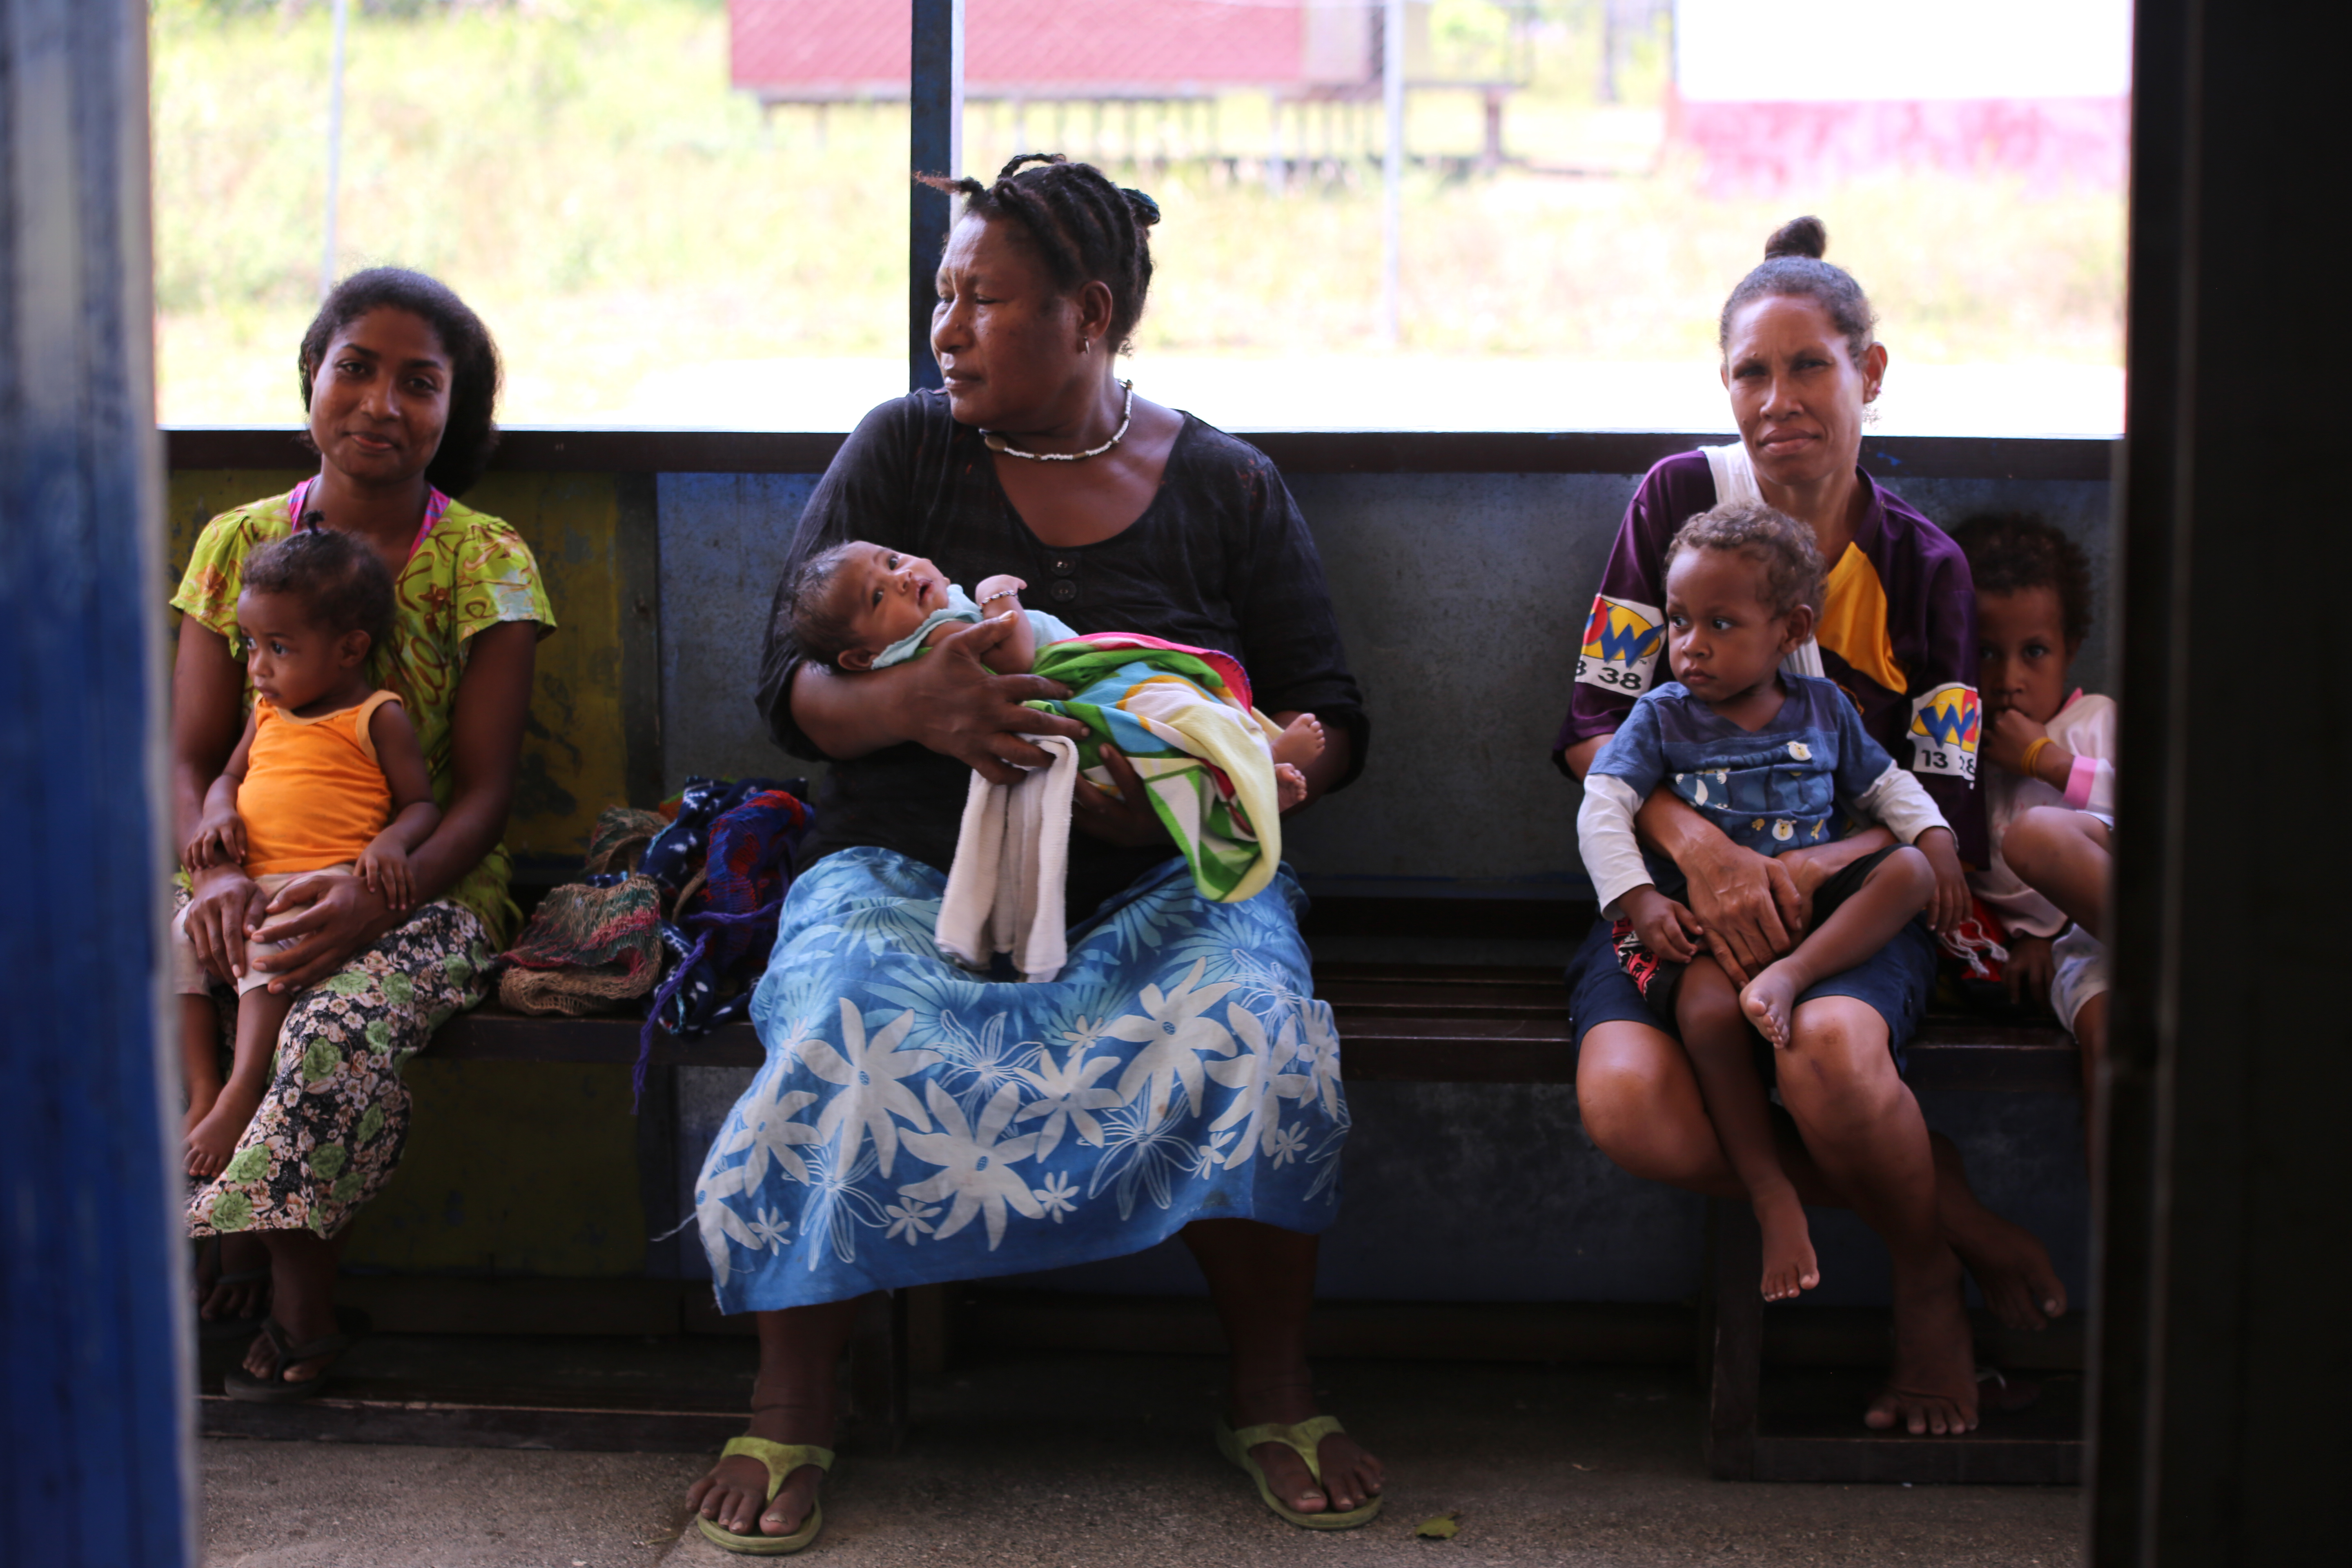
point(328, 778)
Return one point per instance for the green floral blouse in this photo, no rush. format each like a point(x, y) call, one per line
point(469, 572)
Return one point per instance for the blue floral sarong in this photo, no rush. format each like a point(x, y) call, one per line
point(916, 1124)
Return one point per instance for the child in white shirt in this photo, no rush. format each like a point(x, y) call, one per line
point(2050, 795)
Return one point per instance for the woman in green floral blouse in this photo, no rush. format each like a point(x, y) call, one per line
point(400, 379)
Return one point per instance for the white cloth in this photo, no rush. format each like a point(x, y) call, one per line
point(2078, 973)
point(1005, 892)
point(2087, 727)
point(1735, 480)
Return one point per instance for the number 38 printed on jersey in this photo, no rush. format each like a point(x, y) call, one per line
point(1621, 641)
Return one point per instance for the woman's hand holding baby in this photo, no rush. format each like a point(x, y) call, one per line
point(950, 702)
point(223, 904)
point(1667, 928)
point(326, 917)
point(1126, 818)
point(1748, 904)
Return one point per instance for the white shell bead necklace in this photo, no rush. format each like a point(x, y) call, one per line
point(997, 443)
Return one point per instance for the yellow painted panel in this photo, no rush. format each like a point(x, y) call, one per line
point(575, 755)
point(513, 1168)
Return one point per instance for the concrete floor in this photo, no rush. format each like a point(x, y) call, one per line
point(1106, 1459)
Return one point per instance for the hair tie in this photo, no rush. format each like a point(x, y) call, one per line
point(1149, 208)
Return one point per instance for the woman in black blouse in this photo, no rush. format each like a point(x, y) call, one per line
point(916, 1124)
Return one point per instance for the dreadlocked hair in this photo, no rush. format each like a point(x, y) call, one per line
point(1087, 229)
point(1783, 545)
point(2010, 551)
point(341, 582)
point(809, 612)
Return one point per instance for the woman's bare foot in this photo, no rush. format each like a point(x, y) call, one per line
point(2009, 1264)
point(213, 1139)
point(734, 1495)
point(1289, 786)
point(1771, 998)
point(1932, 1386)
point(1300, 743)
point(1351, 1477)
point(1789, 1266)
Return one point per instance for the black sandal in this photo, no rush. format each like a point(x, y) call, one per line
point(274, 1389)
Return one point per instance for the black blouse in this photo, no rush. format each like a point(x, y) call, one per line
point(1221, 558)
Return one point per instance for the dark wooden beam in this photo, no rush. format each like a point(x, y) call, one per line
point(1894, 457)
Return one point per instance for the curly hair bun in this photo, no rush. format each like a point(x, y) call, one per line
point(1807, 236)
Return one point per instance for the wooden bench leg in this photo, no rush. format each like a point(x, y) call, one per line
point(877, 1372)
point(1734, 1262)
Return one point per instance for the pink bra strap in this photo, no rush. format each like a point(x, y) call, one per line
point(436, 505)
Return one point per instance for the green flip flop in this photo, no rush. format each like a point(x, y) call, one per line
point(782, 1459)
point(1305, 1437)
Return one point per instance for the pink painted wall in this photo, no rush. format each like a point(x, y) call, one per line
point(1763, 149)
point(1041, 45)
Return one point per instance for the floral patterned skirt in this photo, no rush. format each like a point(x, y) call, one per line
point(916, 1124)
point(335, 1117)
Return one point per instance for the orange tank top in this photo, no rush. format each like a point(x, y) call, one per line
point(314, 794)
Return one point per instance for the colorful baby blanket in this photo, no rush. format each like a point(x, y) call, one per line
point(1182, 716)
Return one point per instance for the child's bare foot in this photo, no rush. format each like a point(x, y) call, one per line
point(1789, 1266)
point(1769, 998)
point(1289, 786)
point(1932, 1386)
point(201, 1098)
point(1300, 743)
point(213, 1139)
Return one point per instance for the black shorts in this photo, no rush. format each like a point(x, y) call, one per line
point(1605, 988)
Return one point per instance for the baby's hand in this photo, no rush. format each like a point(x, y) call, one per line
point(1667, 929)
point(383, 866)
point(2008, 736)
point(1004, 585)
point(219, 841)
point(1952, 903)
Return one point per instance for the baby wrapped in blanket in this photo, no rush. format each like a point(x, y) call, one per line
point(1217, 772)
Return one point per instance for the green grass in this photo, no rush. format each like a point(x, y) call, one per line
point(580, 171)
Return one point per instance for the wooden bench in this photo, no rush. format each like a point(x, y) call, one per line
point(1495, 1024)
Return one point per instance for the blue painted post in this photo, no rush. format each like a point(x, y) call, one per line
point(96, 1413)
point(935, 139)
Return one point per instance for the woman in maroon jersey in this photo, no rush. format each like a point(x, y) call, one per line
point(1896, 631)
